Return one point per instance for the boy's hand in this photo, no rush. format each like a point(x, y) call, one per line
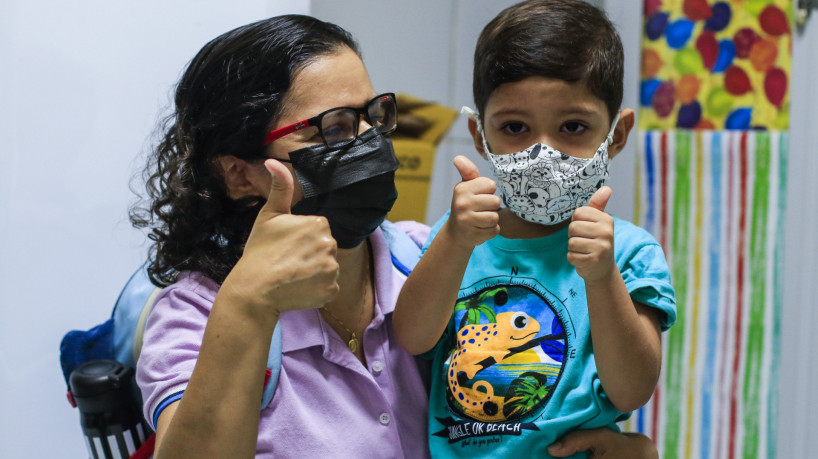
point(591, 238)
point(474, 217)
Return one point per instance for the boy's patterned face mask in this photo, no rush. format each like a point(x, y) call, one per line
point(543, 185)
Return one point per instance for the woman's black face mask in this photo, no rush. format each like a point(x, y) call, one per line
point(353, 187)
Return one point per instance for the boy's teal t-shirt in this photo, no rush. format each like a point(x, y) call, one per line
point(515, 369)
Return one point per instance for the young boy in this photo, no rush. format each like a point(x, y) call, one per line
point(545, 316)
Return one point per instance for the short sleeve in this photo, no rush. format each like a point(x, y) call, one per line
point(171, 342)
point(433, 232)
point(647, 277)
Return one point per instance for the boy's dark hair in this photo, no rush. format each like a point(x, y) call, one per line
point(225, 102)
point(569, 40)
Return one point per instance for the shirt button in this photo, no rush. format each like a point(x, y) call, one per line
point(385, 418)
point(377, 367)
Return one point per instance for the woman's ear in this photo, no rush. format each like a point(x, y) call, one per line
point(476, 136)
point(238, 177)
point(621, 132)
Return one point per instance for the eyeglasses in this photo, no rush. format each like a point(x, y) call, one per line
point(339, 126)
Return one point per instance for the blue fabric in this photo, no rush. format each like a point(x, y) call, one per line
point(274, 365)
point(78, 347)
point(405, 253)
point(114, 338)
point(515, 368)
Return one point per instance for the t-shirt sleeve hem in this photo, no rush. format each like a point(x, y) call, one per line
point(174, 394)
point(649, 294)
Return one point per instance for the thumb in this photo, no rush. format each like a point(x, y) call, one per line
point(467, 169)
point(281, 189)
point(600, 199)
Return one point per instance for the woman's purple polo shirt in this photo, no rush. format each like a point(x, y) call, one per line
point(326, 404)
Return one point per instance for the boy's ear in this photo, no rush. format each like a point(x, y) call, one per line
point(237, 177)
point(621, 132)
point(476, 136)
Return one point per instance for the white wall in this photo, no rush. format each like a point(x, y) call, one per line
point(798, 364)
point(82, 85)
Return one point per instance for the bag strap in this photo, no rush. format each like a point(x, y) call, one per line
point(405, 252)
point(273, 367)
point(140, 325)
point(130, 313)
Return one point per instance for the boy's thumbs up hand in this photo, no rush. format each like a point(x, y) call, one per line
point(466, 168)
point(600, 199)
point(591, 238)
point(474, 217)
point(289, 260)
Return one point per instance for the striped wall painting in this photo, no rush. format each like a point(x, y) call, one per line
point(715, 201)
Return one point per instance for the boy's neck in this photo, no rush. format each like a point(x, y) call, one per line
point(514, 227)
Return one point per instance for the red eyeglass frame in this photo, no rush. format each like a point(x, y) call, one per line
point(314, 121)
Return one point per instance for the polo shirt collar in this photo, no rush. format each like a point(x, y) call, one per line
point(306, 328)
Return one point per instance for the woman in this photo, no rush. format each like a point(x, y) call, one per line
point(266, 194)
point(209, 180)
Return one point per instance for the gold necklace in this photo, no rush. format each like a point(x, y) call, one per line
point(354, 343)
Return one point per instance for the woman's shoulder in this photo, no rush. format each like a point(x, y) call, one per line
point(191, 288)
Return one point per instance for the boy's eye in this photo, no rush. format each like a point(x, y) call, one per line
point(514, 128)
point(573, 127)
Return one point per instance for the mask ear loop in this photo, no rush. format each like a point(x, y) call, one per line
point(469, 111)
point(609, 139)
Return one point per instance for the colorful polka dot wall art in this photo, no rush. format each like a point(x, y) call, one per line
point(716, 65)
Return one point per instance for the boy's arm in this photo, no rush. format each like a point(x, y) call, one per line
point(427, 299)
point(626, 335)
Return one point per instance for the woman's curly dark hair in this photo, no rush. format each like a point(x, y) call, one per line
point(230, 94)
